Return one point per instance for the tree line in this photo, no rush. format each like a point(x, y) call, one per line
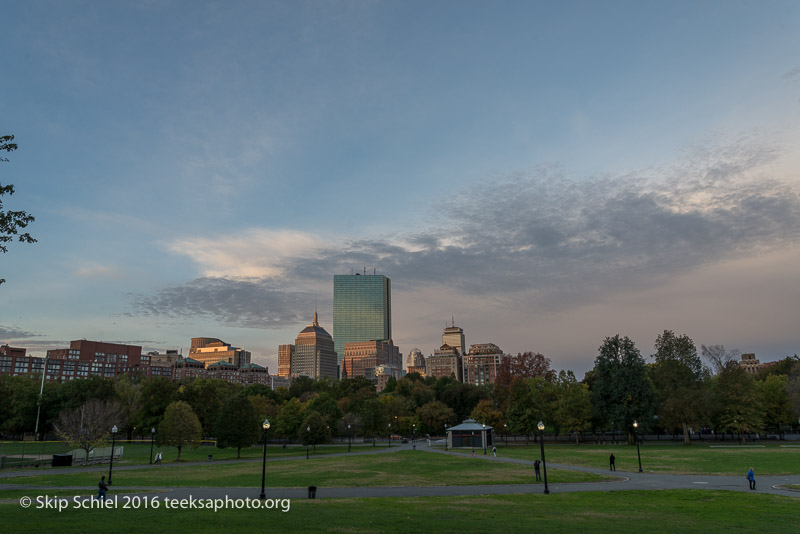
point(674, 393)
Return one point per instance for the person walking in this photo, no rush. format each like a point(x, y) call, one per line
point(611, 460)
point(751, 478)
point(536, 465)
point(102, 488)
point(158, 458)
point(494, 451)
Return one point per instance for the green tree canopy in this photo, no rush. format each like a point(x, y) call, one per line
point(180, 427)
point(238, 424)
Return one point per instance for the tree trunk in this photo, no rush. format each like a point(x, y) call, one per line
point(686, 439)
point(179, 452)
point(631, 438)
point(238, 452)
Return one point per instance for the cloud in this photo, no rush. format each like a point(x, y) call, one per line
point(96, 270)
point(792, 74)
point(540, 235)
point(11, 332)
point(256, 303)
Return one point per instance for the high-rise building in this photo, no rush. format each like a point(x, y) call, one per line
point(285, 353)
point(482, 363)
point(453, 336)
point(208, 350)
point(363, 358)
point(415, 362)
point(445, 361)
point(313, 354)
point(362, 310)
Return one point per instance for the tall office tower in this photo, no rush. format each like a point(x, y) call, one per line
point(482, 363)
point(313, 353)
point(285, 353)
point(453, 336)
point(362, 310)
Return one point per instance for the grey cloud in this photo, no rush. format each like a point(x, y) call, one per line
point(544, 235)
point(792, 73)
point(10, 332)
point(248, 303)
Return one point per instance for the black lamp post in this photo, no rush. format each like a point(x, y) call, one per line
point(636, 437)
point(390, 434)
point(446, 436)
point(152, 441)
point(544, 464)
point(505, 432)
point(483, 438)
point(349, 437)
point(308, 439)
point(413, 433)
point(265, 426)
point(114, 430)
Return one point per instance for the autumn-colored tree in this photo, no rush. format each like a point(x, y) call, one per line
point(180, 427)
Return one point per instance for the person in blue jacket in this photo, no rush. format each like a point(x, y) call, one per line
point(751, 477)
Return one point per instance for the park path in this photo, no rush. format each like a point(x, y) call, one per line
point(627, 481)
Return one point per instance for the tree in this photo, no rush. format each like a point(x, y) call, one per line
point(129, 395)
point(678, 378)
point(573, 409)
point(738, 407)
point(314, 429)
point(11, 222)
point(157, 393)
point(717, 356)
point(621, 391)
point(773, 393)
point(487, 413)
point(374, 418)
point(238, 425)
point(90, 425)
point(180, 427)
point(433, 416)
point(290, 418)
point(18, 396)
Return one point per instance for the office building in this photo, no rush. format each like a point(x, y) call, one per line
point(362, 310)
point(314, 355)
point(481, 364)
point(285, 353)
point(362, 358)
point(445, 361)
point(453, 336)
point(210, 350)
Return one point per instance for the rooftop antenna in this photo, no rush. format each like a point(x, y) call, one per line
point(374, 270)
point(453, 318)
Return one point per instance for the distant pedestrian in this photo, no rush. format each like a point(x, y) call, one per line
point(102, 488)
point(611, 462)
point(158, 458)
point(494, 451)
point(536, 465)
point(473, 452)
point(751, 477)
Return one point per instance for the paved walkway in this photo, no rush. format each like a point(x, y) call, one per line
point(628, 481)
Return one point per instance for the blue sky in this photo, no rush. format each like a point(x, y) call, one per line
point(549, 173)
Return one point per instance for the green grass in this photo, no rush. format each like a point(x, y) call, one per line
point(689, 511)
point(402, 468)
point(677, 459)
point(139, 453)
point(15, 494)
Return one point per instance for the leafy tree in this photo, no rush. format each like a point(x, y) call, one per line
point(18, 402)
point(157, 393)
point(622, 392)
point(180, 427)
point(462, 398)
point(238, 425)
point(374, 418)
point(573, 408)
point(433, 416)
point(314, 429)
point(11, 222)
point(129, 395)
point(487, 413)
point(391, 384)
point(737, 406)
point(521, 412)
point(89, 425)
point(773, 392)
point(678, 378)
point(290, 418)
point(325, 404)
point(206, 397)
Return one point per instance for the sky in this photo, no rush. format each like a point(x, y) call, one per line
point(546, 174)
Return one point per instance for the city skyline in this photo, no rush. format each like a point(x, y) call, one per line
point(548, 174)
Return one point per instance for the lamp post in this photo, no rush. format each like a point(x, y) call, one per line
point(390, 434)
point(544, 464)
point(413, 433)
point(349, 437)
point(636, 437)
point(308, 439)
point(152, 441)
point(446, 436)
point(483, 438)
point(505, 432)
point(114, 430)
point(265, 426)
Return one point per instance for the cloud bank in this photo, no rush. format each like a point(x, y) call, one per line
point(542, 234)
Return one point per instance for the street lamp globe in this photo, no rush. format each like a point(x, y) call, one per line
point(114, 429)
point(635, 424)
point(265, 425)
point(540, 426)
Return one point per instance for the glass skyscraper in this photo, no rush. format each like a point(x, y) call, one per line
point(362, 310)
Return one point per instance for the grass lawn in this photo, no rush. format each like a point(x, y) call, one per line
point(402, 468)
point(689, 459)
point(139, 453)
point(687, 511)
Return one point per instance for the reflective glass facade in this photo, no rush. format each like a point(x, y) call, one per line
point(362, 310)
